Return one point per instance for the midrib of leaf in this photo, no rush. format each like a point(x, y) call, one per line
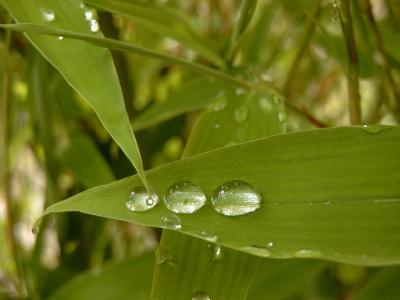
point(230, 276)
point(84, 67)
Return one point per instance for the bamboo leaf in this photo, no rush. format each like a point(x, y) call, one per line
point(160, 19)
point(192, 96)
point(247, 116)
point(126, 279)
point(85, 67)
point(329, 193)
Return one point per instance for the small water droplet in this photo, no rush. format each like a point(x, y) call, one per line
point(214, 252)
point(276, 99)
point(235, 198)
point(141, 200)
point(216, 126)
point(282, 116)
point(171, 222)
point(184, 197)
point(48, 15)
point(60, 38)
point(270, 244)
point(208, 236)
point(219, 104)
point(373, 128)
point(200, 295)
point(265, 104)
point(94, 26)
point(257, 250)
point(240, 91)
point(307, 253)
point(241, 114)
point(88, 15)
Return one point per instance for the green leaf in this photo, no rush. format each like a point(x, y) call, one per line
point(192, 96)
point(84, 159)
point(126, 279)
point(328, 193)
point(127, 47)
point(383, 285)
point(85, 67)
point(246, 116)
point(279, 279)
point(160, 19)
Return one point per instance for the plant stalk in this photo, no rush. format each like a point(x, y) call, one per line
point(352, 72)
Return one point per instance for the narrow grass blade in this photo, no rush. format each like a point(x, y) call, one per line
point(85, 67)
point(328, 193)
point(162, 20)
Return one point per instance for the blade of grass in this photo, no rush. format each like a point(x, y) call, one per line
point(198, 269)
point(85, 67)
point(309, 181)
point(162, 20)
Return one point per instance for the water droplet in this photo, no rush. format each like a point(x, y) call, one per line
point(257, 250)
point(373, 128)
point(216, 126)
point(171, 222)
point(141, 200)
point(160, 255)
point(276, 99)
point(94, 26)
point(240, 91)
point(270, 244)
point(235, 198)
point(241, 114)
point(282, 116)
point(307, 253)
point(88, 15)
point(265, 104)
point(184, 197)
point(214, 252)
point(208, 236)
point(200, 295)
point(219, 104)
point(48, 15)
point(60, 38)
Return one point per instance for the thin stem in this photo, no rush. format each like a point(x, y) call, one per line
point(387, 66)
point(304, 42)
point(352, 72)
point(5, 176)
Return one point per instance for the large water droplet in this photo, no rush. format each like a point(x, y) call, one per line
point(141, 200)
point(241, 114)
point(372, 128)
point(200, 295)
point(235, 198)
point(214, 252)
point(208, 236)
point(219, 104)
point(48, 15)
point(171, 222)
point(184, 197)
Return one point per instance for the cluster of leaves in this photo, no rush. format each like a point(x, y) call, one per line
point(227, 94)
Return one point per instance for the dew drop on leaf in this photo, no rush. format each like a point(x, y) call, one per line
point(265, 104)
point(200, 295)
point(235, 198)
point(184, 197)
point(94, 25)
point(171, 222)
point(48, 15)
point(219, 104)
point(214, 252)
point(241, 114)
point(140, 199)
point(282, 117)
point(208, 236)
point(372, 128)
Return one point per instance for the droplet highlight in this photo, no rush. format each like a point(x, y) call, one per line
point(241, 114)
point(200, 295)
point(208, 236)
point(171, 222)
point(219, 104)
point(140, 199)
point(48, 15)
point(94, 25)
point(235, 198)
point(184, 197)
point(214, 252)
